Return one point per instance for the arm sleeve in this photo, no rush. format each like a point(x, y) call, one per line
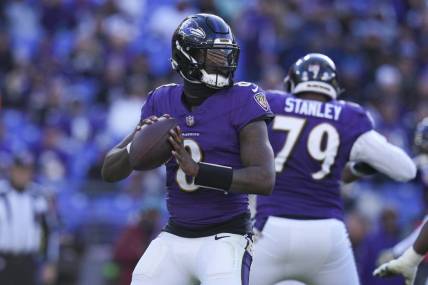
point(403, 245)
point(372, 148)
point(251, 106)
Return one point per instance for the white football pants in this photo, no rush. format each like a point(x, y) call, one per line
point(223, 259)
point(314, 252)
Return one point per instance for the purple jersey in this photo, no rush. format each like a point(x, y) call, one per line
point(312, 142)
point(211, 134)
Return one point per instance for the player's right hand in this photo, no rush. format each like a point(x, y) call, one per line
point(181, 155)
point(399, 266)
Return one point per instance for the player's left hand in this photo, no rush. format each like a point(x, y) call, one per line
point(397, 267)
point(181, 155)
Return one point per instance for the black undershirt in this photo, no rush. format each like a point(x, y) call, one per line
point(239, 225)
point(195, 94)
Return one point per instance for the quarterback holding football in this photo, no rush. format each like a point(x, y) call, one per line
point(220, 152)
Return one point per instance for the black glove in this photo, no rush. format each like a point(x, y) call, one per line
point(362, 169)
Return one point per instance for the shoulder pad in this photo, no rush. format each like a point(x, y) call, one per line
point(359, 111)
point(350, 104)
point(353, 107)
point(163, 89)
point(165, 85)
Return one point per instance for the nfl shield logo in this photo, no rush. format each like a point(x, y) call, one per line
point(190, 121)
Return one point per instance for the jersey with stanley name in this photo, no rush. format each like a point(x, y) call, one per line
point(211, 134)
point(312, 142)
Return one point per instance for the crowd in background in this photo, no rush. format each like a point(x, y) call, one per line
point(74, 75)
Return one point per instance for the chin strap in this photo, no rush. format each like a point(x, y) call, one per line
point(190, 80)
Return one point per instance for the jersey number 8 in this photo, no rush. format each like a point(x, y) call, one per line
point(323, 151)
point(183, 181)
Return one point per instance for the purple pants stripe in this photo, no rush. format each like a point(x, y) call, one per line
point(247, 259)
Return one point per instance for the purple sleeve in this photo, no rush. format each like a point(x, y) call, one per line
point(148, 108)
point(361, 121)
point(252, 105)
point(355, 122)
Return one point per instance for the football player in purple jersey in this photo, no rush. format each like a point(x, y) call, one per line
point(409, 251)
point(407, 264)
point(221, 152)
point(314, 137)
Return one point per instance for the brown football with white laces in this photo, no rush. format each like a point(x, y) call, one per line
point(150, 147)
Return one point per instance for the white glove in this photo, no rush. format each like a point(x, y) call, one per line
point(406, 265)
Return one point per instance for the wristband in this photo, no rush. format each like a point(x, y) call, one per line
point(128, 147)
point(214, 176)
point(361, 169)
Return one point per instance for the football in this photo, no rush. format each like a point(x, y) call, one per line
point(150, 147)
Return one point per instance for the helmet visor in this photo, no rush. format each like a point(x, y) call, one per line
point(221, 61)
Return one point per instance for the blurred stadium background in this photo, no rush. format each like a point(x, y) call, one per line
point(74, 75)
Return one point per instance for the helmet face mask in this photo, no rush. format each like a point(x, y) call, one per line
point(220, 60)
point(315, 73)
point(204, 51)
point(217, 66)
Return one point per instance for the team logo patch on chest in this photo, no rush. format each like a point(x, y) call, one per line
point(262, 101)
point(190, 121)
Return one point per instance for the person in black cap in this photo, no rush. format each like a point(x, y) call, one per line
point(25, 227)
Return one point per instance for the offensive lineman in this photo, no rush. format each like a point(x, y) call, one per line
point(208, 237)
point(313, 136)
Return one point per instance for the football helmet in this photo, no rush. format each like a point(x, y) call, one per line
point(421, 136)
point(314, 72)
point(205, 51)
